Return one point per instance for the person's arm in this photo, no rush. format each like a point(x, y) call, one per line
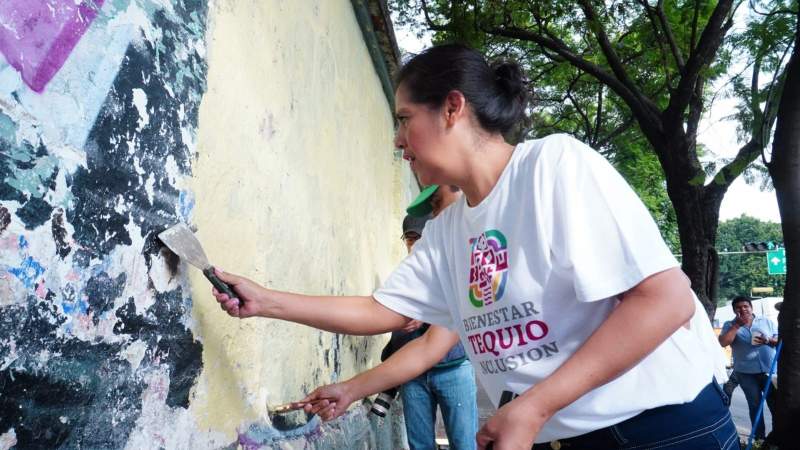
point(405, 364)
point(648, 315)
point(726, 338)
point(772, 338)
point(348, 315)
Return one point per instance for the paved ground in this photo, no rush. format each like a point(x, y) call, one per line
point(741, 416)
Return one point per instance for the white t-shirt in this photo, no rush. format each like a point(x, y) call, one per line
point(528, 274)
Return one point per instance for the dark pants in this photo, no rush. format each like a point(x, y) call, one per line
point(752, 385)
point(730, 386)
point(702, 424)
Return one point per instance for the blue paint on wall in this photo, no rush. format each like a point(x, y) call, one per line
point(28, 272)
point(59, 387)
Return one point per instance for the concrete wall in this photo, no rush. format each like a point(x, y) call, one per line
point(264, 124)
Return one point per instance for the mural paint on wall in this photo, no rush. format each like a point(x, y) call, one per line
point(96, 342)
point(98, 116)
point(37, 37)
point(358, 429)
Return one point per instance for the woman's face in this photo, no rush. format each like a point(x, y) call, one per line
point(423, 135)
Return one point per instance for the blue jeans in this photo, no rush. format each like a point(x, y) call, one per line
point(752, 384)
point(453, 389)
point(702, 424)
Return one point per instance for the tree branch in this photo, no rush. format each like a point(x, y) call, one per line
point(710, 40)
point(665, 26)
point(661, 51)
point(695, 18)
point(746, 154)
point(616, 132)
point(642, 107)
point(584, 117)
point(695, 109)
point(598, 121)
point(431, 24)
point(605, 45)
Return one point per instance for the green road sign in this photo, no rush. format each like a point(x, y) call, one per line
point(776, 262)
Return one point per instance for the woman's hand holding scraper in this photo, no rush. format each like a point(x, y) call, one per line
point(246, 290)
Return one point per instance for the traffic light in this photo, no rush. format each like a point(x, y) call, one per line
point(759, 246)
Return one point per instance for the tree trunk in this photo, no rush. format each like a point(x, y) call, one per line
point(697, 227)
point(785, 171)
point(697, 214)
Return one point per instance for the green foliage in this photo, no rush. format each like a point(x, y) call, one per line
point(760, 46)
point(566, 99)
point(653, 43)
point(739, 273)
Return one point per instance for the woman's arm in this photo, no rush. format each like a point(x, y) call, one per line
point(649, 313)
point(410, 361)
point(348, 315)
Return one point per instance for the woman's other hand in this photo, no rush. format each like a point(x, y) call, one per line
point(514, 427)
point(330, 401)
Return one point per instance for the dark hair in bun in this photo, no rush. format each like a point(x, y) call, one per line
point(496, 93)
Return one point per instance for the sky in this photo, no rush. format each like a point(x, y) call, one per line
point(716, 133)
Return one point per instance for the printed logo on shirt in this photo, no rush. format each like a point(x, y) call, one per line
point(488, 271)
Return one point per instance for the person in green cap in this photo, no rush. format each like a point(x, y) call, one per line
point(448, 384)
point(576, 316)
point(433, 200)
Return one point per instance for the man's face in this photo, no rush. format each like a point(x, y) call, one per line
point(442, 198)
point(743, 310)
point(410, 238)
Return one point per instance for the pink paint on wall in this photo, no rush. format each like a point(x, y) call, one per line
point(37, 36)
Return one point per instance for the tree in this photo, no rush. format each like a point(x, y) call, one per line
point(785, 171)
point(631, 62)
point(740, 273)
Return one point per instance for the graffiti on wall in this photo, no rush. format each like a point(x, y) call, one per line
point(98, 112)
point(37, 37)
point(99, 108)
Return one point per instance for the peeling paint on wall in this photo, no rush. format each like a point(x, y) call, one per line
point(90, 334)
point(102, 341)
point(37, 37)
point(356, 430)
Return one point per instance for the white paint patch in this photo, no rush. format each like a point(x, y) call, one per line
point(42, 358)
point(188, 139)
point(135, 267)
point(134, 353)
point(200, 48)
point(65, 112)
point(159, 273)
point(171, 169)
point(12, 354)
point(161, 426)
point(148, 187)
point(140, 101)
point(8, 439)
point(11, 288)
point(137, 165)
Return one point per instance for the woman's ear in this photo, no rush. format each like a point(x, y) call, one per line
point(455, 107)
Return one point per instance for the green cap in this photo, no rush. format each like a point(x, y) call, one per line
point(421, 205)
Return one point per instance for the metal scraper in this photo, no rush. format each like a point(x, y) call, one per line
point(183, 243)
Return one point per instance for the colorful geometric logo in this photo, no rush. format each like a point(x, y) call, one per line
point(488, 268)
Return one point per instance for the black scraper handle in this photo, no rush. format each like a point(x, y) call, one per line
point(221, 286)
